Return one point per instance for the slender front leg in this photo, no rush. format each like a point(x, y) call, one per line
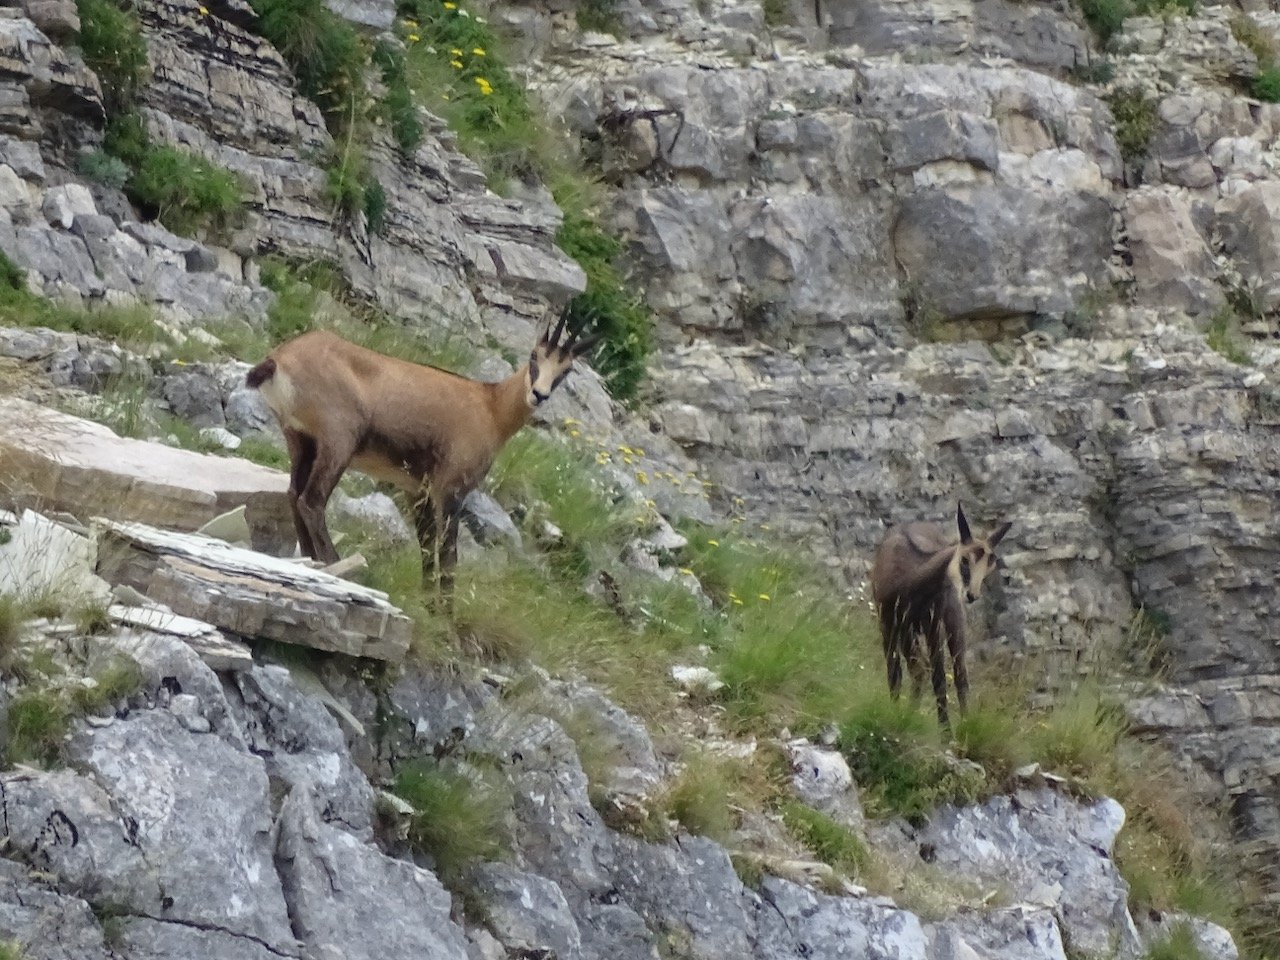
point(424, 520)
point(449, 553)
point(890, 637)
point(938, 662)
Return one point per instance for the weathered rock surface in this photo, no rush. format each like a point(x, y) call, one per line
point(251, 594)
point(55, 461)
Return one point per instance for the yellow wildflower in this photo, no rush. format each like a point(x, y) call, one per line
point(764, 597)
point(414, 38)
point(455, 51)
point(638, 452)
point(204, 11)
point(456, 64)
point(570, 422)
point(478, 51)
point(642, 478)
point(686, 571)
point(575, 433)
point(713, 543)
point(411, 24)
point(485, 86)
point(737, 602)
point(448, 5)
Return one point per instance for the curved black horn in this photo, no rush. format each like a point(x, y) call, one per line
point(555, 336)
point(963, 524)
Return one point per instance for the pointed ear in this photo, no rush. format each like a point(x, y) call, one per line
point(998, 534)
point(963, 524)
point(583, 346)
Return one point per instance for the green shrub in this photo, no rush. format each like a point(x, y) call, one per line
point(1224, 337)
point(600, 16)
point(186, 190)
point(114, 48)
point(100, 167)
point(399, 105)
point(1266, 85)
point(459, 817)
point(1137, 118)
point(699, 798)
point(117, 680)
point(375, 207)
point(775, 12)
point(39, 720)
point(323, 50)
point(1180, 944)
point(606, 305)
point(829, 841)
point(1106, 17)
point(13, 279)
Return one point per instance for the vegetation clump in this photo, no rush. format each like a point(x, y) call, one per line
point(1137, 118)
point(459, 815)
point(1107, 17)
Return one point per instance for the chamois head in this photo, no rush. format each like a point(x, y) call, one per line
point(551, 360)
point(974, 558)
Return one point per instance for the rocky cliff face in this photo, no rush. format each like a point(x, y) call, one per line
point(814, 206)
point(810, 201)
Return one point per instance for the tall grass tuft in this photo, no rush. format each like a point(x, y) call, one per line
point(459, 815)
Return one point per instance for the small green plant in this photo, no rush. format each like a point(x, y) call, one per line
point(1106, 17)
point(459, 816)
point(12, 950)
point(117, 680)
point(323, 50)
point(1224, 337)
point(399, 106)
point(114, 48)
point(1137, 119)
point(699, 799)
point(186, 191)
point(775, 12)
point(101, 167)
point(600, 16)
point(1180, 944)
point(830, 842)
point(1266, 85)
point(375, 207)
point(39, 721)
point(13, 615)
point(12, 277)
point(91, 618)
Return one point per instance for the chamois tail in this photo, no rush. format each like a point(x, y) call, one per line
point(260, 374)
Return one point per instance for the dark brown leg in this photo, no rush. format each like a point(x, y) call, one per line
point(955, 643)
point(938, 662)
point(449, 554)
point(302, 455)
point(329, 465)
point(424, 520)
point(890, 636)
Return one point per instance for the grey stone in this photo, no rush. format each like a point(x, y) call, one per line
point(376, 510)
point(1247, 222)
point(997, 251)
point(379, 14)
point(246, 412)
point(1011, 933)
point(487, 521)
point(302, 746)
point(194, 396)
point(43, 923)
point(63, 204)
point(338, 889)
point(1054, 851)
point(143, 938)
point(527, 913)
point(799, 921)
point(1172, 264)
point(821, 778)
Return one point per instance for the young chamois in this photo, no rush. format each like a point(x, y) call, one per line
point(430, 432)
point(920, 580)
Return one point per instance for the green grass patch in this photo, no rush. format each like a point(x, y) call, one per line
point(1180, 944)
point(114, 48)
point(39, 720)
point(1107, 17)
point(186, 191)
point(459, 818)
point(1137, 118)
point(829, 841)
point(116, 680)
point(1224, 337)
point(548, 478)
point(599, 16)
point(324, 51)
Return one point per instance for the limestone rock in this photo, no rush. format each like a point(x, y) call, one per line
point(1172, 263)
point(338, 889)
point(1053, 850)
point(65, 463)
point(528, 913)
point(252, 594)
point(43, 923)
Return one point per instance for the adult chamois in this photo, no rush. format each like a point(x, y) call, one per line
point(434, 434)
point(919, 581)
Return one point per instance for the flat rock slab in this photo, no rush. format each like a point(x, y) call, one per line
point(217, 651)
point(251, 594)
point(53, 461)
